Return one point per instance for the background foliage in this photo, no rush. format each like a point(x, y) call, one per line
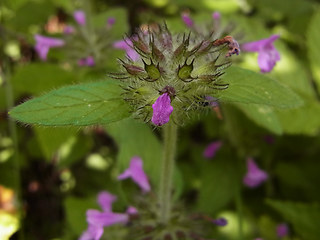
point(57, 172)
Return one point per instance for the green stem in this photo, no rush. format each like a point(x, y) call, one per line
point(13, 134)
point(167, 168)
point(238, 200)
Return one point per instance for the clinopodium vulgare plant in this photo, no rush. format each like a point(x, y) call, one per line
point(175, 74)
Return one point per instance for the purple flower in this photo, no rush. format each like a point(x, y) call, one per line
point(211, 149)
point(68, 29)
point(282, 230)
point(216, 16)
point(80, 17)
point(88, 61)
point(105, 219)
point(93, 232)
point(187, 20)
point(127, 45)
point(220, 221)
point(135, 171)
point(267, 53)
point(162, 110)
point(97, 220)
point(105, 200)
point(43, 44)
point(111, 21)
point(132, 210)
point(255, 176)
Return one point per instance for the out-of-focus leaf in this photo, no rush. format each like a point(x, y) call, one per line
point(263, 115)
point(218, 184)
point(76, 212)
point(313, 40)
point(40, 12)
point(119, 28)
point(79, 105)
point(303, 120)
point(246, 86)
point(36, 78)
point(50, 139)
point(137, 139)
point(304, 217)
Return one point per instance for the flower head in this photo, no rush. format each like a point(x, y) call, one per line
point(43, 44)
point(187, 19)
point(282, 230)
point(255, 176)
point(135, 171)
point(80, 17)
point(162, 110)
point(211, 149)
point(267, 53)
point(127, 45)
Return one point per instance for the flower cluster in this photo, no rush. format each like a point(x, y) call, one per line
point(141, 220)
point(268, 55)
point(84, 46)
point(174, 73)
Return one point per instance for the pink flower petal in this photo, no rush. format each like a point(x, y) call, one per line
point(211, 149)
point(187, 19)
point(162, 110)
point(105, 200)
point(43, 44)
point(80, 17)
point(128, 47)
point(105, 219)
point(255, 176)
point(135, 171)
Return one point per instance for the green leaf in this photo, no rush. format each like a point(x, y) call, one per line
point(246, 86)
point(137, 139)
point(262, 115)
point(303, 120)
point(313, 40)
point(79, 105)
point(29, 79)
point(219, 183)
point(51, 139)
point(304, 217)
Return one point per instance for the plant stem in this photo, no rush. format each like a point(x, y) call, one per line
point(13, 133)
point(167, 169)
point(238, 200)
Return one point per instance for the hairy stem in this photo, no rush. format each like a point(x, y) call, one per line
point(167, 169)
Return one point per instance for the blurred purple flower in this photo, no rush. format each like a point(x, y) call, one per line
point(97, 220)
point(220, 221)
point(111, 21)
point(43, 44)
point(187, 19)
point(135, 171)
point(127, 45)
point(216, 16)
point(93, 232)
point(267, 53)
point(88, 61)
point(132, 210)
point(80, 17)
point(212, 149)
point(68, 29)
point(282, 230)
point(105, 200)
point(105, 219)
point(255, 176)
point(162, 110)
